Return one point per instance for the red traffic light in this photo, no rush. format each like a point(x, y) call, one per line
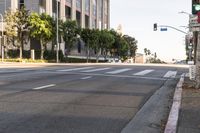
point(198, 17)
point(155, 26)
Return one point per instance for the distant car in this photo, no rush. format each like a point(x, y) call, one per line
point(115, 61)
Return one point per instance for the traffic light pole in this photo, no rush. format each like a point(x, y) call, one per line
point(197, 79)
point(173, 28)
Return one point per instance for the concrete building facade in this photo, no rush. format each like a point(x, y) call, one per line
point(88, 14)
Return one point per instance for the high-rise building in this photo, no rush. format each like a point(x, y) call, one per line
point(87, 13)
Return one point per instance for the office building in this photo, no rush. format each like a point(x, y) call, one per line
point(87, 13)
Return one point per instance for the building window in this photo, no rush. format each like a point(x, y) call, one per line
point(105, 23)
point(67, 12)
point(54, 8)
point(94, 23)
point(42, 6)
point(87, 21)
point(78, 5)
point(100, 9)
point(21, 4)
point(78, 18)
point(94, 5)
point(87, 7)
point(68, 2)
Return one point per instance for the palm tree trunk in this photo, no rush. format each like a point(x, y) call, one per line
point(42, 50)
point(20, 52)
point(87, 54)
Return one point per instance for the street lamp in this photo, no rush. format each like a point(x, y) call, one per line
point(2, 50)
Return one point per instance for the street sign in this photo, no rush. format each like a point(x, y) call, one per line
point(193, 24)
point(163, 29)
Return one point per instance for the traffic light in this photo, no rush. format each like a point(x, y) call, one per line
point(155, 27)
point(195, 6)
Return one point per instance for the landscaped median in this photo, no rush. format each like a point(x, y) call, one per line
point(25, 60)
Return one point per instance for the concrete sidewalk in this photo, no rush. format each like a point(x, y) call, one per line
point(189, 117)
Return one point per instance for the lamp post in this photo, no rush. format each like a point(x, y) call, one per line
point(57, 43)
point(2, 50)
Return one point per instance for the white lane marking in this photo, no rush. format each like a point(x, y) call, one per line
point(170, 74)
point(94, 70)
point(119, 71)
point(143, 72)
point(74, 69)
point(86, 77)
point(43, 87)
point(108, 75)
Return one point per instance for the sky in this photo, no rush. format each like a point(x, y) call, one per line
point(138, 16)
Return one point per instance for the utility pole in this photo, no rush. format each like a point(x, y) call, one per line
point(57, 42)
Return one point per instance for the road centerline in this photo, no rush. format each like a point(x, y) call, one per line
point(88, 77)
point(43, 87)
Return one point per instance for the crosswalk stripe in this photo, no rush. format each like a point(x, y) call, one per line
point(143, 72)
point(94, 70)
point(119, 71)
point(74, 69)
point(170, 74)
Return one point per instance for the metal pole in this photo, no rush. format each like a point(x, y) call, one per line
point(173, 28)
point(2, 51)
point(57, 43)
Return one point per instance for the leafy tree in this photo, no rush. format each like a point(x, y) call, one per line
point(123, 49)
point(85, 36)
point(106, 39)
point(18, 27)
point(94, 42)
point(132, 43)
point(69, 33)
point(147, 51)
point(41, 29)
point(120, 46)
point(114, 50)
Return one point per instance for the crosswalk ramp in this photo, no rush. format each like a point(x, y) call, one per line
point(127, 71)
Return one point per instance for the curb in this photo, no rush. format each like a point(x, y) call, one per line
point(172, 122)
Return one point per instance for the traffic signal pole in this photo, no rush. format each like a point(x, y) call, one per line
point(197, 79)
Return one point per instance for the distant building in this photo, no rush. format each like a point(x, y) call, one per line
point(139, 58)
point(119, 29)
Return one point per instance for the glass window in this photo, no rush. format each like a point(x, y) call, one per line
point(68, 2)
point(106, 7)
point(42, 6)
point(87, 7)
point(100, 9)
point(21, 4)
point(94, 5)
point(78, 5)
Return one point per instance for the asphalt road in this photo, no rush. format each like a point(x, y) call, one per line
point(77, 98)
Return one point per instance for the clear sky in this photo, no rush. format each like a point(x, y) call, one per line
point(138, 16)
